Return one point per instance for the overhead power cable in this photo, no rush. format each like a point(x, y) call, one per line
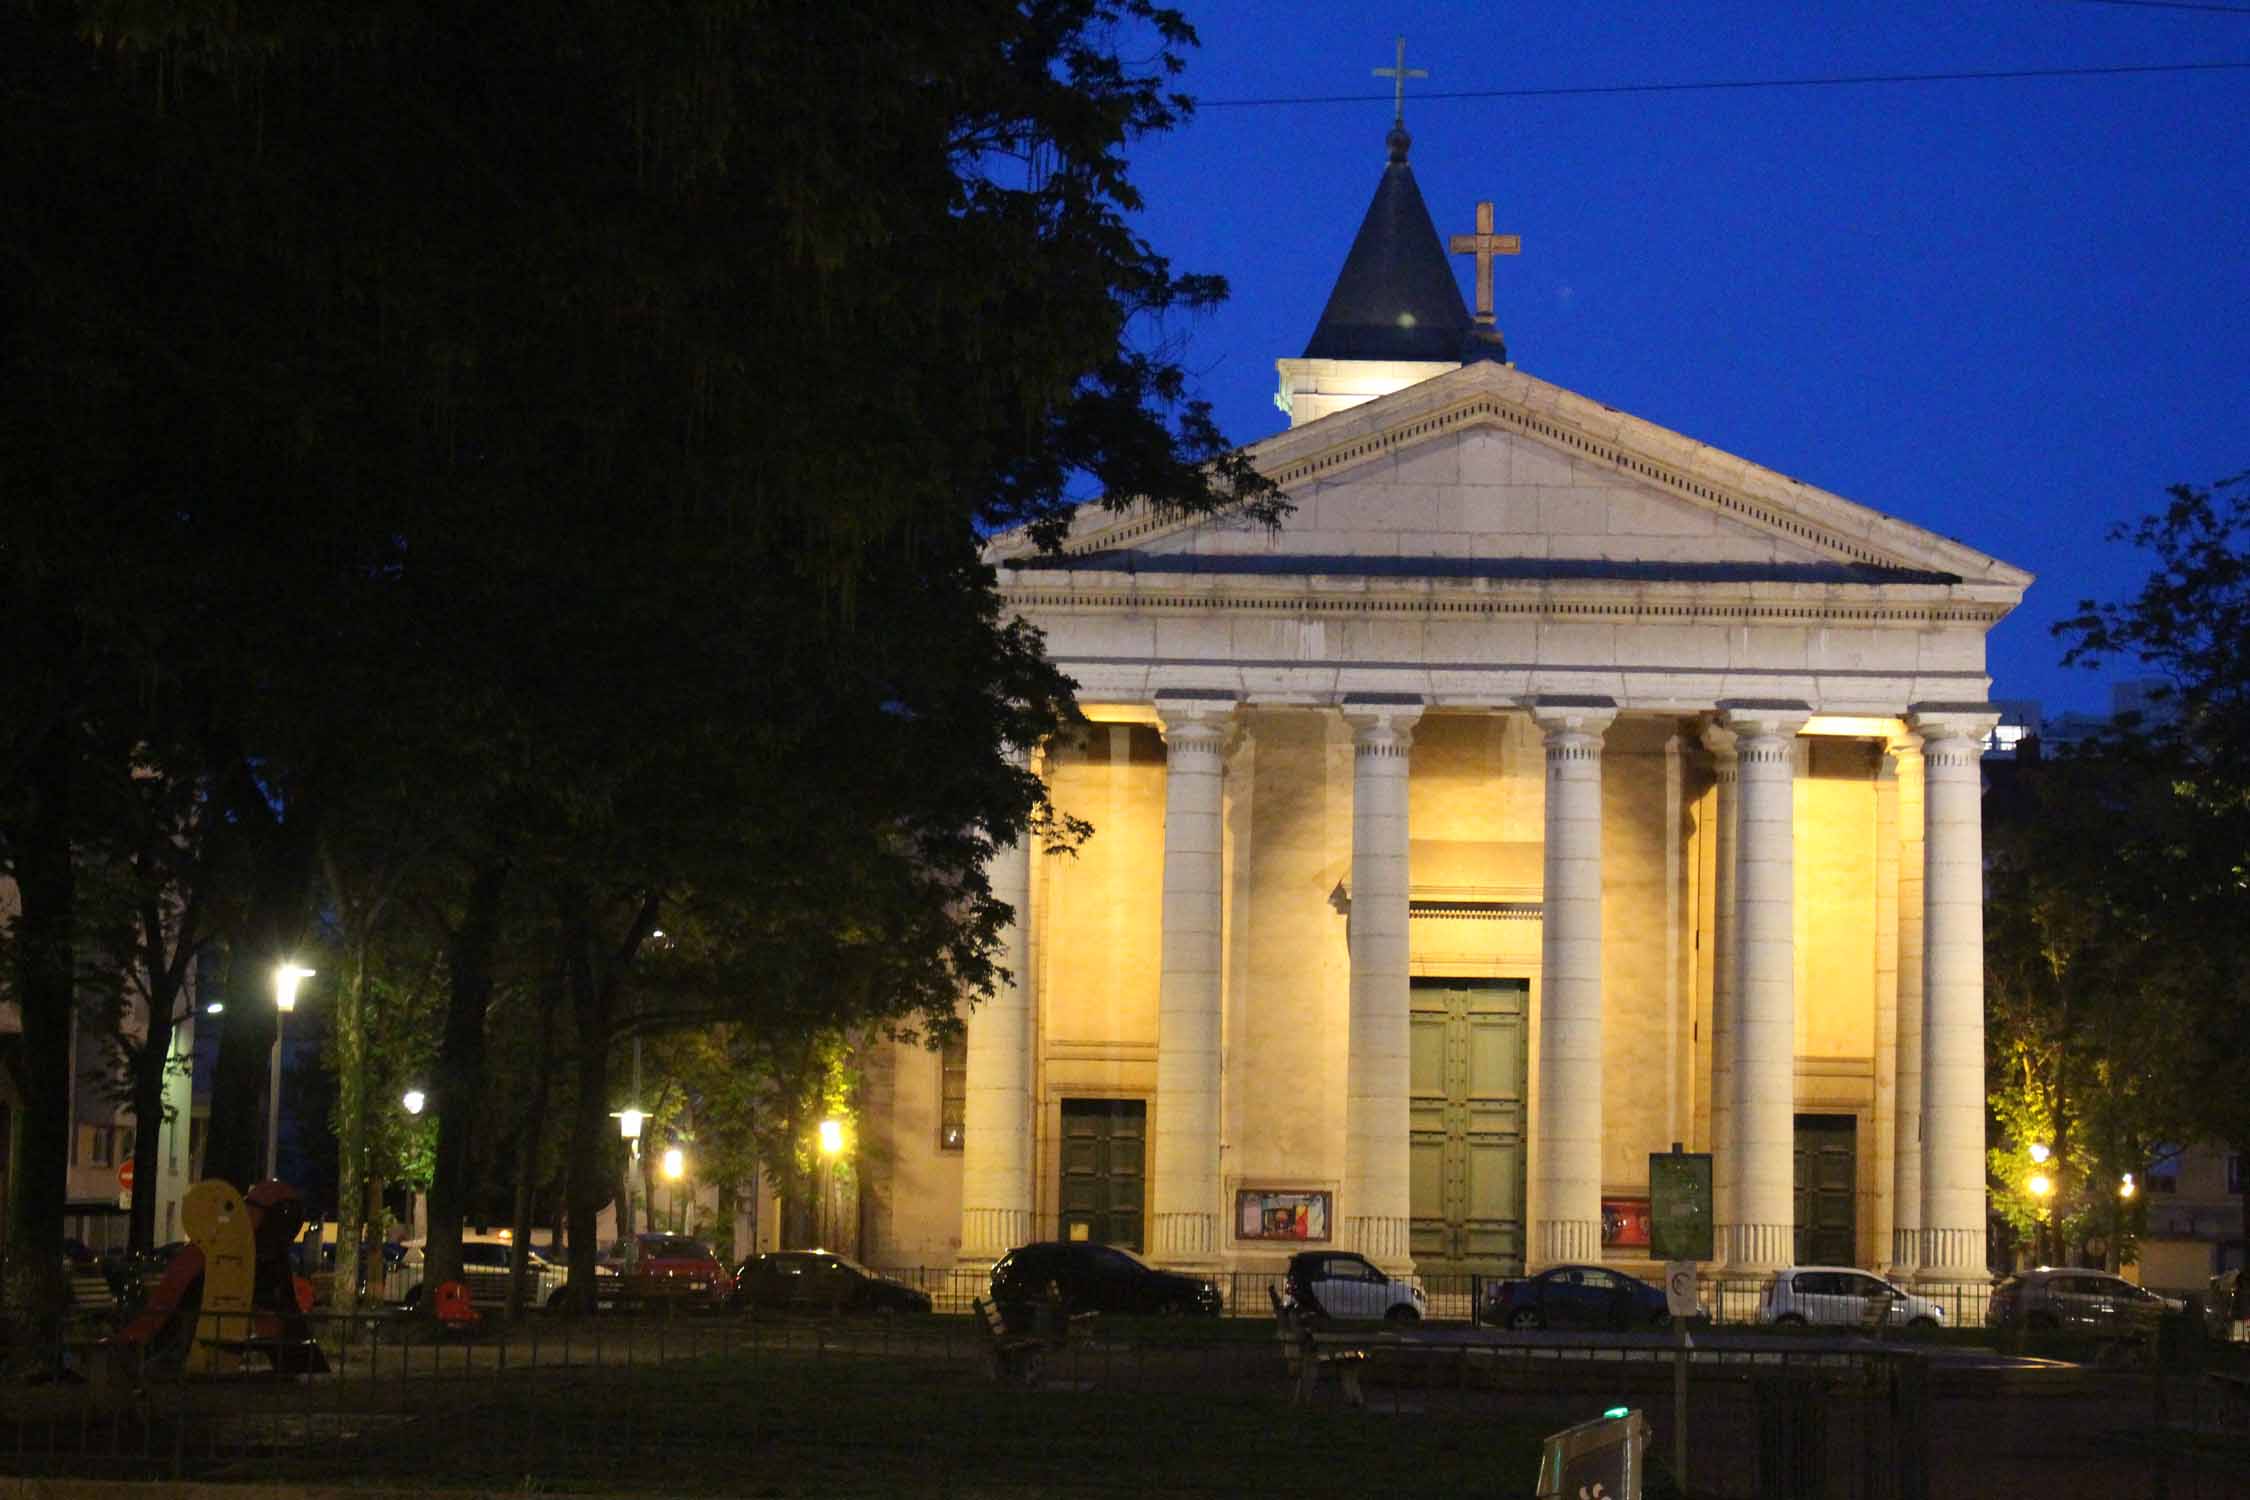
point(1842, 80)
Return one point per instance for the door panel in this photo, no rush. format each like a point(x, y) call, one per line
point(1104, 1146)
point(1467, 1118)
point(1827, 1179)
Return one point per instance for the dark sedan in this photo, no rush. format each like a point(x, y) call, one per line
point(1086, 1277)
point(1577, 1297)
point(819, 1281)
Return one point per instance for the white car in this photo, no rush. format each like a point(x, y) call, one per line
point(1340, 1284)
point(485, 1264)
point(1836, 1296)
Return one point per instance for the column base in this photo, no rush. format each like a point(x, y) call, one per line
point(1906, 1254)
point(989, 1233)
point(1187, 1241)
point(1383, 1239)
point(1760, 1249)
point(1564, 1242)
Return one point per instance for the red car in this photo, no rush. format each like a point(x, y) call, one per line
point(665, 1268)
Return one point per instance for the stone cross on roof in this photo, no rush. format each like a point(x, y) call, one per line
point(1399, 73)
point(1484, 245)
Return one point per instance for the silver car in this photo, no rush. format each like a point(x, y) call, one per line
point(1839, 1296)
point(485, 1266)
point(2056, 1298)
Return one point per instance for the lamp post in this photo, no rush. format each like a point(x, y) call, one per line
point(286, 978)
point(629, 1127)
point(831, 1143)
point(2042, 1187)
point(674, 1165)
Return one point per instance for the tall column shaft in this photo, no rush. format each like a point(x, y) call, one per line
point(1878, 1229)
point(1377, 1202)
point(1765, 1057)
point(1953, 1175)
point(1568, 1124)
point(1187, 1210)
point(1726, 799)
point(996, 1172)
point(1906, 1161)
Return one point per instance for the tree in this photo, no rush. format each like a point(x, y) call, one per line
point(2186, 850)
point(629, 396)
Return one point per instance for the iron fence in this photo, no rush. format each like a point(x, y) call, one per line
point(708, 1402)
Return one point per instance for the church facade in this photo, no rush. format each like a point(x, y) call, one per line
point(1551, 789)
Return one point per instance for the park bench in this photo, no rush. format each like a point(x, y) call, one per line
point(92, 1299)
point(1306, 1357)
point(1015, 1355)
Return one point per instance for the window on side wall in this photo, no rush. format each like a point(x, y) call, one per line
point(2234, 1172)
point(953, 1094)
point(2164, 1169)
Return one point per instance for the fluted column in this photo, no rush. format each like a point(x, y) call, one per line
point(996, 1175)
point(1906, 1160)
point(1187, 1210)
point(1567, 1127)
point(1765, 1055)
point(1377, 1202)
point(1726, 797)
point(1953, 1176)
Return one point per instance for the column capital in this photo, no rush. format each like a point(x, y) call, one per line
point(1764, 718)
point(1382, 724)
point(1934, 722)
point(1564, 716)
point(1719, 740)
point(1192, 719)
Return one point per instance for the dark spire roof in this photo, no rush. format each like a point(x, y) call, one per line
point(1396, 297)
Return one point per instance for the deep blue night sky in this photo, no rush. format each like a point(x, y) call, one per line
point(2012, 311)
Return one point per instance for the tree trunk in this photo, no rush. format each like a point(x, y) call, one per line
point(148, 1114)
point(589, 1170)
point(47, 892)
point(348, 1038)
point(527, 1159)
point(460, 1070)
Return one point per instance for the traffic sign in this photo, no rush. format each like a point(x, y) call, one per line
point(125, 1175)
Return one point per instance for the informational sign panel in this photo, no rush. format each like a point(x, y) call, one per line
point(1680, 1215)
point(1598, 1460)
point(1680, 1290)
point(1261, 1214)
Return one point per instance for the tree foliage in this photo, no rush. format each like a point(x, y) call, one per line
point(526, 472)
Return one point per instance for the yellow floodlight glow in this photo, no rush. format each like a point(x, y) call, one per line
point(2040, 1185)
point(831, 1137)
point(2126, 1187)
point(675, 1163)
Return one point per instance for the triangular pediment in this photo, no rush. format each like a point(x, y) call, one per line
point(1487, 471)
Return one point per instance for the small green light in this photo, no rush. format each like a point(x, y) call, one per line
point(1618, 1411)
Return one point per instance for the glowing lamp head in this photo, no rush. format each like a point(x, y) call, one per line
point(629, 1123)
point(286, 978)
point(2040, 1185)
point(2039, 1151)
point(831, 1137)
point(675, 1163)
point(2126, 1187)
point(414, 1099)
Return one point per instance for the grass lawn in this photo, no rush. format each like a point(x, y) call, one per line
point(797, 1426)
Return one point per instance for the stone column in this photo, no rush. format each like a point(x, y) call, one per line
point(1765, 1054)
point(1725, 960)
point(1187, 1218)
point(1953, 1177)
point(996, 1174)
point(1567, 1125)
point(1376, 1202)
point(1878, 1230)
point(1906, 1160)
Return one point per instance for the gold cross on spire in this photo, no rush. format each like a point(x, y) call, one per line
point(1484, 245)
point(1400, 73)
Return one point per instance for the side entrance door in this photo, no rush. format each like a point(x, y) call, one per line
point(1104, 1150)
point(1466, 1118)
point(1827, 1190)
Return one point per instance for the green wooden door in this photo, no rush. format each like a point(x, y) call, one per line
point(1827, 1189)
point(1104, 1150)
point(1466, 1116)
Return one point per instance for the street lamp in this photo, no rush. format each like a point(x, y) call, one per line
point(2039, 1151)
point(2042, 1187)
point(831, 1143)
point(2126, 1188)
point(414, 1099)
point(629, 1123)
point(286, 978)
point(674, 1167)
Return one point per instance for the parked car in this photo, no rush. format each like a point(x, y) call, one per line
point(668, 1268)
point(2059, 1298)
point(820, 1281)
point(1576, 1297)
point(486, 1263)
point(1087, 1277)
point(1343, 1284)
point(1837, 1296)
